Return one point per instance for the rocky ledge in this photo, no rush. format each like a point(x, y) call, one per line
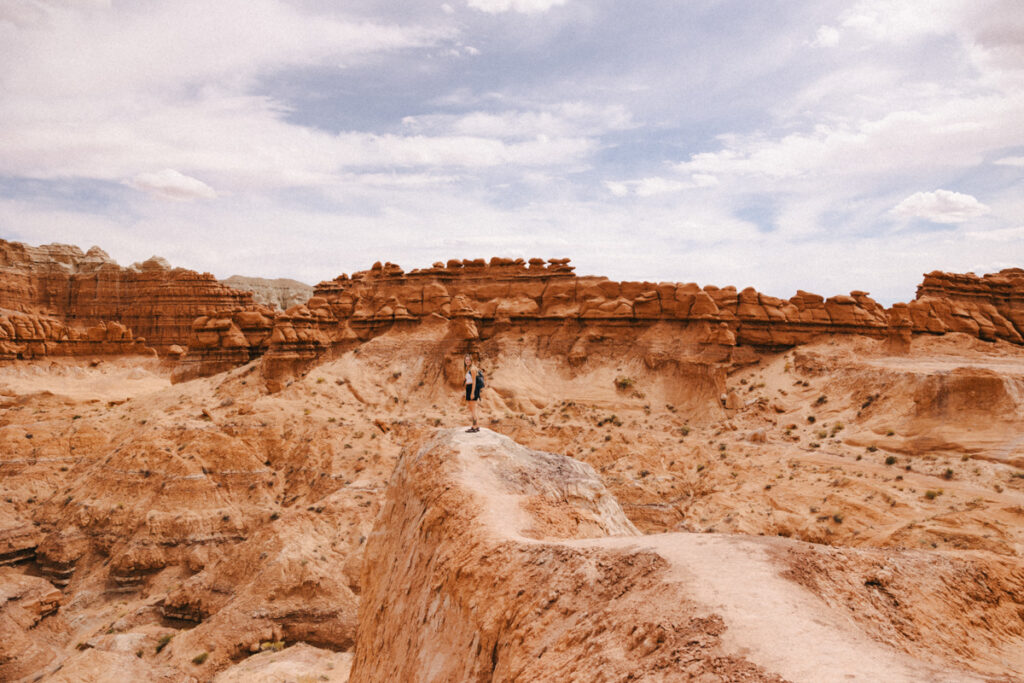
point(490, 561)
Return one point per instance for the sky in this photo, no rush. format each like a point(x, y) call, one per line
point(779, 144)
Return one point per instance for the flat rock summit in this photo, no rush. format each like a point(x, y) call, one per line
point(254, 480)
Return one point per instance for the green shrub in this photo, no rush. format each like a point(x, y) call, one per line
point(164, 640)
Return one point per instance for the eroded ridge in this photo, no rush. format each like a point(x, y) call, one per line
point(490, 561)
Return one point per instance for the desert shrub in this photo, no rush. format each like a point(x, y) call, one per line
point(624, 383)
point(932, 495)
point(164, 640)
point(200, 658)
point(890, 460)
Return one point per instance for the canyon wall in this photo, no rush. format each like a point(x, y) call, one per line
point(57, 300)
point(485, 298)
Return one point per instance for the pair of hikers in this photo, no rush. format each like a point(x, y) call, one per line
point(474, 383)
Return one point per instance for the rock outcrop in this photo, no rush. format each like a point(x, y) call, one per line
point(280, 293)
point(489, 561)
point(57, 300)
point(484, 299)
point(24, 602)
point(989, 307)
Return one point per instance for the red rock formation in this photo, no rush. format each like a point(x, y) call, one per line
point(486, 299)
point(24, 601)
point(67, 294)
point(989, 307)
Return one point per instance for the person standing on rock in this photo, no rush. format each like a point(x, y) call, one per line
point(474, 383)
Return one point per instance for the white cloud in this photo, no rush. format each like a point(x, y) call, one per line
point(1006, 235)
point(899, 20)
point(171, 184)
point(564, 119)
point(658, 185)
point(941, 206)
point(1010, 161)
point(955, 133)
point(826, 36)
point(522, 6)
point(618, 189)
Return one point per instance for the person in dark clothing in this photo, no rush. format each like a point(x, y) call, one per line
point(474, 384)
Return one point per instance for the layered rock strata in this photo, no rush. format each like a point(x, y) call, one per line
point(59, 300)
point(989, 307)
point(485, 299)
point(281, 293)
point(24, 602)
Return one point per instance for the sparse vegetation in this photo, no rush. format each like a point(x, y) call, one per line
point(622, 383)
point(164, 640)
point(932, 494)
point(890, 460)
point(200, 658)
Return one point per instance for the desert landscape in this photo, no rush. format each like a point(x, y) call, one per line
point(201, 482)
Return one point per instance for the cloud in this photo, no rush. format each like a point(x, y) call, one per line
point(827, 36)
point(563, 119)
point(941, 206)
point(899, 20)
point(171, 184)
point(658, 185)
point(1010, 161)
point(1007, 235)
point(522, 6)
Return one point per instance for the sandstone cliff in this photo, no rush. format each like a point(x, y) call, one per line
point(57, 300)
point(488, 299)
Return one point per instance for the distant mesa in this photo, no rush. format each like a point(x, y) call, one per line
point(280, 293)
